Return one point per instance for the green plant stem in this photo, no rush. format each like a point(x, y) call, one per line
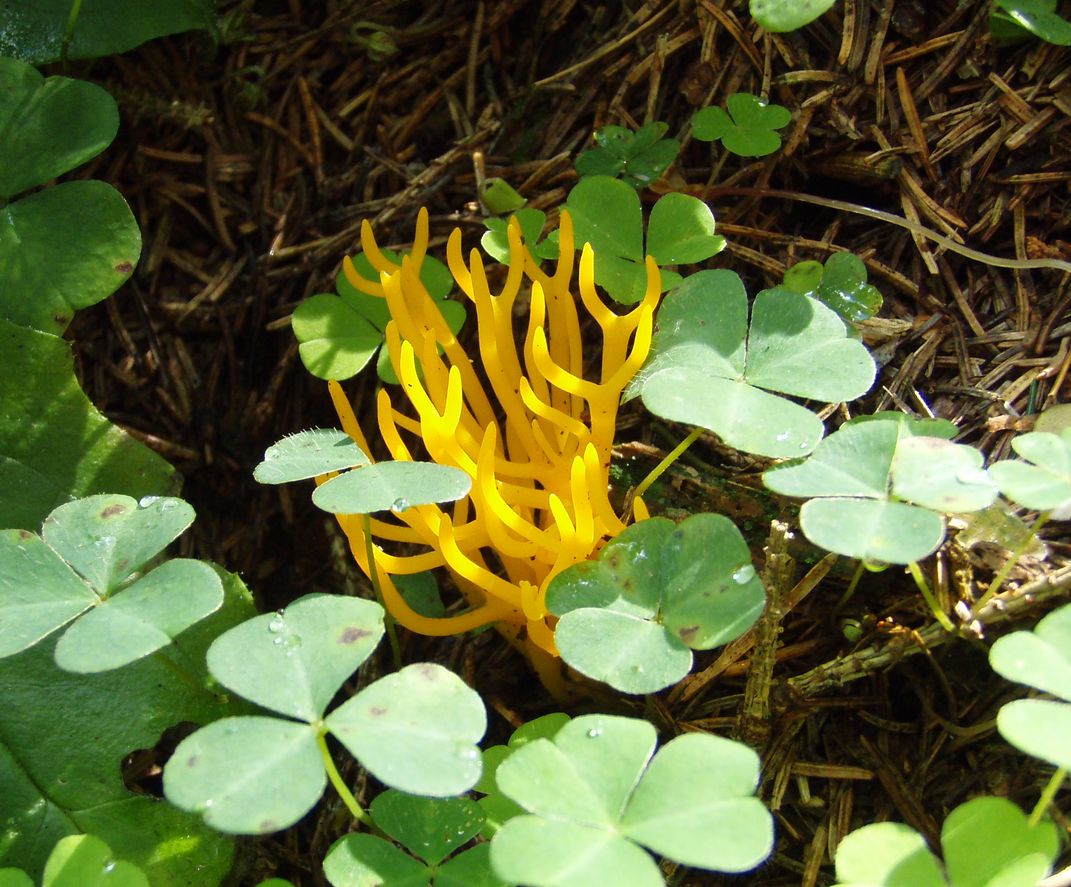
point(671, 457)
point(860, 568)
point(1002, 574)
point(388, 620)
point(920, 581)
point(1046, 796)
point(68, 34)
point(336, 780)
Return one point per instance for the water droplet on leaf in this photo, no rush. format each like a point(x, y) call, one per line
point(400, 504)
point(146, 501)
point(744, 574)
point(594, 732)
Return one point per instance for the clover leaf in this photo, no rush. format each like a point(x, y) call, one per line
point(84, 566)
point(1011, 20)
point(885, 460)
point(65, 734)
point(606, 213)
point(414, 730)
point(1043, 482)
point(308, 454)
point(986, 842)
point(39, 31)
point(393, 486)
point(430, 829)
point(709, 369)
point(1042, 659)
point(496, 807)
point(84, 860)
point(339, 333)
point(638, 157)
point(496, 240)
point(657, 591)
point(598, 798)
point(840, 284)
point(71, 245)
point(749, 129)
point(779, 16)
point(865, 475)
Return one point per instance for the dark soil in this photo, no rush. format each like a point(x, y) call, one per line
point(250, 164)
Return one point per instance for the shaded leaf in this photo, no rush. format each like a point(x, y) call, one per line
point(47, 126)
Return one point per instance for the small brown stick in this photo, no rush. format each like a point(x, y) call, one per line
point(754, 722)
point(861, 663)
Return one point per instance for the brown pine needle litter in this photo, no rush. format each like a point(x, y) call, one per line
point(252, 164)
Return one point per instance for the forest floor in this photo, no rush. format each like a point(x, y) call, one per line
point(250, 164)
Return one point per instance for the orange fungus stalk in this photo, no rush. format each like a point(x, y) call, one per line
point(531, 431)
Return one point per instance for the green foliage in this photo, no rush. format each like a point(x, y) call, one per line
point(80, 861)
point(500, 197)
point(865, 474)
point(986, 842)
point(1041, 659)
point(85, 566)
point(64, 735)
point(1014, 20)
point(638, 158)
point(748, 129)
point(54, 445)
point(657, 591)
point(840, 284)
point(307, 454)
point(414, 730)
point(37, 31)
point(71, 245)
point(391, 486)
point(606, 213)
point(430, 829)
point(383, 486)
point(1043, 481)
point(496, 807)
point(709, 368)
point(496, 241)
point(596, 795)
point(61, 248)
point(339, 333)
point(787, 15)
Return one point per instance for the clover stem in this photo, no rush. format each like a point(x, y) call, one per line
point(850, 590)
point(68, 34)
point(671, 457)
point(373, 575)
point(1002, 573)
point(1046, 796)
point(920, 581)
point(340, 786)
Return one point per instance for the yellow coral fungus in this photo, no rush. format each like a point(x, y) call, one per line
point(531, 431)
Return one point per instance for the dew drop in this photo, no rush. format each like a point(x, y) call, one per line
point(276, 625)
point(803, 445)
point(783, 436)
point(109, 866)
point(104, 542)
point(146, 501)
point(207, 804)
point(744, 574)
point(277, 641)
point(594, 732)
point(400, 504)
